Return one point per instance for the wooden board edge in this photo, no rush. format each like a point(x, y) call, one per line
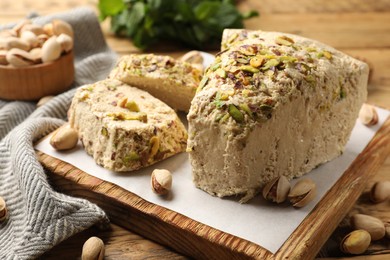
point(315, 230)
point(154, 222)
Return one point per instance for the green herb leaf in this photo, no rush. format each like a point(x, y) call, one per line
point(198, 24)
point(110, 7)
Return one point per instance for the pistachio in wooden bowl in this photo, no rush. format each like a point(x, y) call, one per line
point(35, 60)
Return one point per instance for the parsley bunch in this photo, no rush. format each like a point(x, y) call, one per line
point(196, 23)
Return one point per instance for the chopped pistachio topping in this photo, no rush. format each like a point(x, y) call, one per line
point(203, 83)
point(221, 72)
point(132, 106)
point(154, 145)
point(235, 113)
point(270, 63)
point(327, 55)
point(104, 131)
point(127, 116)
point(132, 156)
point(248, 68)
point(256, 61)
point(284, 40)
point(246, 108)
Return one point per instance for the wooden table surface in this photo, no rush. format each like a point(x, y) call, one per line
point(359, 28)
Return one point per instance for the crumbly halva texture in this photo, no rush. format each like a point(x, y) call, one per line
point(172, 81)
point(272, 104)
point(124, 128)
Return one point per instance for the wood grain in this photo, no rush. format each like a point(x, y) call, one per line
point(201, 241)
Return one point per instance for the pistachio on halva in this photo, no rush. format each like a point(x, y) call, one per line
point(64, 138)
point(303, 192)
point(356, 242)
point(374, 226)
point(277, 189)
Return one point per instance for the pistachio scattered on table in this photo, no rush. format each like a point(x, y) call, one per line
point(28, 44)
point(93, 249)
point(374, 226)
point(3, 210)
point(380, 191)
point(356, 242)
point(161, 181)
point(277, 189)
point(44, 100)
point(64, 138)
point(368, 115)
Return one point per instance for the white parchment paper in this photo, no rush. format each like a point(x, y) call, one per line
point(262, 223)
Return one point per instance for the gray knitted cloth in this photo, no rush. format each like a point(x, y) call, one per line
point(39, 217)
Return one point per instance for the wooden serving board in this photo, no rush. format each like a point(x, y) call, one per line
point(200, 241)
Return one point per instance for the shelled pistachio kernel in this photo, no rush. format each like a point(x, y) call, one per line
point(380, 191)
point(302, 193)
point(277, 189)
point(3, 210)
point(93, 249)
point(161, 181)
point(64, 138)
point(368, 115)
point(374, 226)
point(356, 242)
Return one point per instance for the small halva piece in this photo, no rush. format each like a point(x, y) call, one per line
point(125, 128)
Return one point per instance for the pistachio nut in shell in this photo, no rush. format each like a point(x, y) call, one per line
point(356, 242)
point(18, 58)
point(14, 42)
point(60, 27)
point(34, 28)
point(387, 229)
point(161, 181)
point(193, 57)
point(380, 191)
point(3, 210)
point(371, 224)
point(66, 42)
point(51, 50)
point(93, 249)
point(3, 59)
point(31, 38)
point(277, 189)
point(368, 115)
point(44, 100)
point(64, 138)
point(302, 193)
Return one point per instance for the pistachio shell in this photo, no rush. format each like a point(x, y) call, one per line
point(93, 249)
point(356, 242)
point(51, 50)
point(302, 193)
point(64, 138)
point(31, 38)
point(20, 25)
point(35, 28)
point(44, 100)
point(380, 191)
point(3, 210)
point(60, 27)
point(18, 58)
point(372, 225)
point(161, 181)
point(193, 57)
point(48, 28)
point(3, 59)
point(65, 41)
point(14, 42)
point(277, 189)
point(8, 33)
point(368, 115)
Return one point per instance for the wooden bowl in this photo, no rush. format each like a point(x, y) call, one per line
point(33, 82)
